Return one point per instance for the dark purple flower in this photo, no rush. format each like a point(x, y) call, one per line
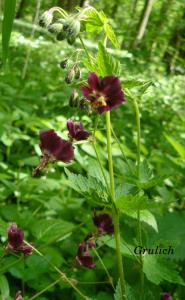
point(166, 296)
point(77, 131)
point(16, 241)
point(15, 236)
point(104, 223)
point(18, 296)
point(53, 147)
point(103, 93)
point(84, 258)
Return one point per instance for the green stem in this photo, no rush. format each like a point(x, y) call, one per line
point(45, 289)
point(103, 265)
point(85, 49)
point(136, 107)
point(115, 213)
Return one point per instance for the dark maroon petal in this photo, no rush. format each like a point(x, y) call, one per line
point(15, 237)
point(18, 296)
point(82, 135)
point(86, 261)
point(26, 249)
point(104, 109)
point(71, 128)
point(65, 152)
point(104, 223)
point(94, 82)
point(86, 91)
point(50, 141)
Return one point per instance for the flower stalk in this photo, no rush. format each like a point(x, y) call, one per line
point(115, 212)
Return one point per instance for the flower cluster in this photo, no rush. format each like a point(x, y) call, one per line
point(54, 147)
point(104, 224)
point(18, 296)
point(16, 241)
point(64, 28)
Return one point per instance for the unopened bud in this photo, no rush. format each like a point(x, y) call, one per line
point(71, 40)
point(64, 63)
point(61, 36)
point(55, 28)
point(77, 71)
point(73, 100)
point(70, 76)
point(46, 19)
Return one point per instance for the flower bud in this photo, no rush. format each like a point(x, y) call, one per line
point(71, 40)
point(70, 76)
point(77, 71)
point(46, 19)
point(73, 100)
point(55, 28)
point(64, 63)
point(61, 35)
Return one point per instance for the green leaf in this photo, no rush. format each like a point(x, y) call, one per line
point(133, 203)
point(51, 230)
point(9, 13)
point(4, 288)
point(126, 249)
point(158, 270)
point(111, 35)
point(86, 185)
point(118, 293)
point(145, 215)
point(177, 146)
point(106, 63)
point(94, 20)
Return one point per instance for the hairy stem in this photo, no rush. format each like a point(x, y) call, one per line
point(115, 213)
point(136, 107)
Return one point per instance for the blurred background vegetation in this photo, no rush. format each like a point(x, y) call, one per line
point(34, 96)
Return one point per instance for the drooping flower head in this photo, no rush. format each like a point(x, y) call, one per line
point(16, 241)
point(18, 296)
point(166, 296)
point(84, 257)
point(103, 93)
point(54, 147)
point(77, 131)
point(104, 223)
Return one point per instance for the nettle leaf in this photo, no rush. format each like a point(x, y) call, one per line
point(118, 293)
point(147, 180)
point(87, 185)
point(133, 203)
point(106, 63)
point(158, 270)
point(94, 20)
point(111, 35)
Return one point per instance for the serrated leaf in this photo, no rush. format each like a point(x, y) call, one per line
point(133, 203)
point(8, 17)
point(111, 35)
point(158, 270)
point(106, 63)
point(4, 288)
point(94, 20)
point(118, 293)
